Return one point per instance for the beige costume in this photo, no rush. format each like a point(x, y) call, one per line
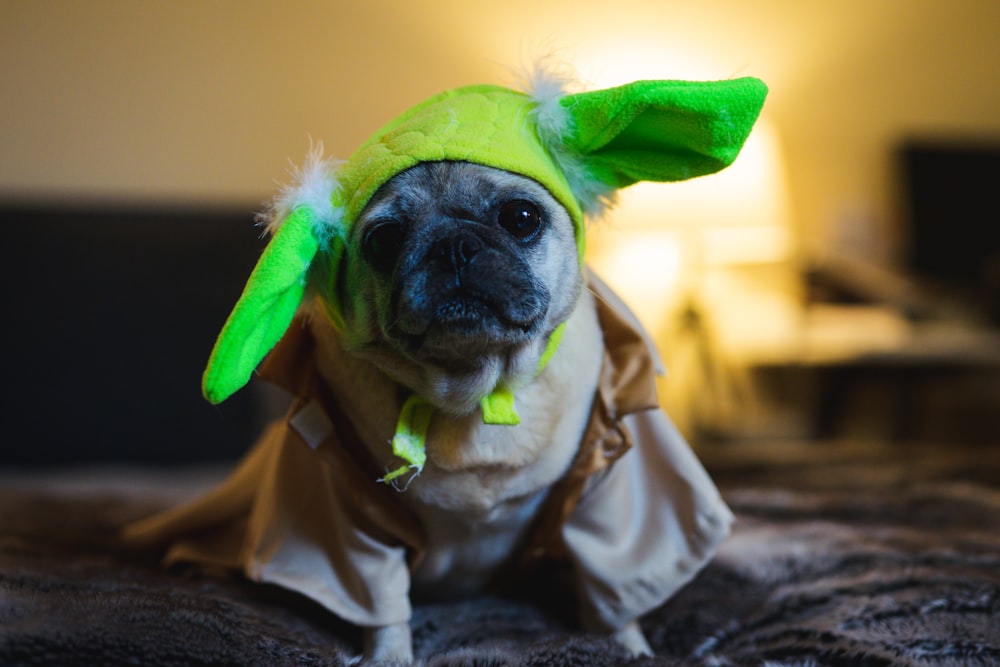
point(635, 515)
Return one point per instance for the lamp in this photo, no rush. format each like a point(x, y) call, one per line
point(707, 266)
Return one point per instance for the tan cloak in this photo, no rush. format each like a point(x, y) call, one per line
point(635, 516)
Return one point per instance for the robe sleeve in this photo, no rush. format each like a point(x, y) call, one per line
point(288, 516)
point(644, 526)
point(310, 532)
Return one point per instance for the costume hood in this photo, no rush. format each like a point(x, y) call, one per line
point(581, 147)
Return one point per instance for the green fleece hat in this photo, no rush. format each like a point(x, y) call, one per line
point(581, 147)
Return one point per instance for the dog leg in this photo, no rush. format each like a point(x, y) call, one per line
point(630, 636)
point(388, 645)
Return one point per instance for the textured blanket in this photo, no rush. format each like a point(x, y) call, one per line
point(843, 559)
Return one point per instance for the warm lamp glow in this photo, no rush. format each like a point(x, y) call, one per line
point(643, 53)
point(706, 266)
point(664, 235)
point(644, 267)
point(741, 214)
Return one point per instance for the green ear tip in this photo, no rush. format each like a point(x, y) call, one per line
point(265, 309)
point(212, 391)
point(662, 130)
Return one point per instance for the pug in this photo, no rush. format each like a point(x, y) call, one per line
point(471, 401)
point(457, 275)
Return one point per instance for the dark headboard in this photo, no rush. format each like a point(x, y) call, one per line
point(950, 206)
point(111, 315)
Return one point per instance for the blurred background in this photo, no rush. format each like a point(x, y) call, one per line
point(840, 281)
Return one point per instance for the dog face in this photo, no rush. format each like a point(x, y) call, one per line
point(455, 276)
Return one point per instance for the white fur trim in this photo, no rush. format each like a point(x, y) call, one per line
point(313, 186)
point(547, 85)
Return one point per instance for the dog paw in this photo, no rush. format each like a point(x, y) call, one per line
point(630, 636)
point(388, 645)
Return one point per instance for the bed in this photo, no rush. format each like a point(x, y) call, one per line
point(843, 553)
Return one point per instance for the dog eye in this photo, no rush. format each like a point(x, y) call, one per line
point(520, 218)
point(382, 244)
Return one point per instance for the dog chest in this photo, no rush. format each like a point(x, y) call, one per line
point(463, 553)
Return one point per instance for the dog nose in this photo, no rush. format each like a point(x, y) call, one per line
point(458, 250)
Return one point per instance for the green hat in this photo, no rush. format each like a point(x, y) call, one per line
point(580, 147)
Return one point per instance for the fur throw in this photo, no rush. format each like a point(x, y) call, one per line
point(900, 572)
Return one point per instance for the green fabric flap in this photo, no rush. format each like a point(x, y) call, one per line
point(498, 407)
point(410, 440)
point(663, 130)
point(269, 301)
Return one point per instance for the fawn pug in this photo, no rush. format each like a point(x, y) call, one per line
point(469, 400)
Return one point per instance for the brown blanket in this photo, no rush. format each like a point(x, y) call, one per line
point(838, 557)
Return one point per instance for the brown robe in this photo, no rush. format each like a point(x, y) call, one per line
point(635, 515)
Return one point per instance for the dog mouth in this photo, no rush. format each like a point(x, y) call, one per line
point(471, 317)
point(462, 329)
point(465, 320)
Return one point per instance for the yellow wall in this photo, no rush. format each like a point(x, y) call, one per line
point(207, 100)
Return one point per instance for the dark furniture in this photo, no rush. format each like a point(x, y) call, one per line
point(112, 312)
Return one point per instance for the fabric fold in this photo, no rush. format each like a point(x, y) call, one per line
point(635, 516)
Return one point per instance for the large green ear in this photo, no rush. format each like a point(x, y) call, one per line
point(662, 130)
point(265, 309)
